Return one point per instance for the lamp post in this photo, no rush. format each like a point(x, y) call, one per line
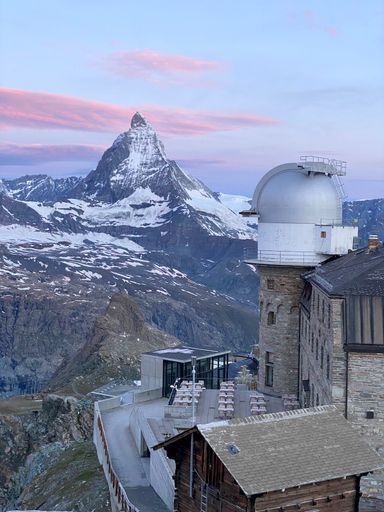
point(193, 388)
point(193, 360)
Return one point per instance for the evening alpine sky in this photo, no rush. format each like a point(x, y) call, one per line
point(232, 88)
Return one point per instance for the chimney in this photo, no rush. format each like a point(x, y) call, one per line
point(373, 242)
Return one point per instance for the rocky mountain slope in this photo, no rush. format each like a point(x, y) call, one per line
point(368, 215)
point(113, 349)
point(137, 224)
point(41, 187)
point(30, 444)
point(53, 444)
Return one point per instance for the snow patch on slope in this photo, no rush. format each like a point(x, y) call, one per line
point(220, 216)
point(16, 233)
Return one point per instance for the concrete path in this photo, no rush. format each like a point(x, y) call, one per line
point(131, 469)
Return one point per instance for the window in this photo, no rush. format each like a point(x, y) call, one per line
point(301, 367)
point(328, 367)
point(312, 395)
point(322, 311)
point(312, 342)
point(322, 357)
point(270, 284)
point(317, 399)
point(271, 319)
point(269, 369)
point(329, 316)
point(317, 349)
point(323, 234)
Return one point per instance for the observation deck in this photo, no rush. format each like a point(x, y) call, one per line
point(283, 258)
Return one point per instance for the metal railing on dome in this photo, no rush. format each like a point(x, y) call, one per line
point(265, 256)
point(334, 167)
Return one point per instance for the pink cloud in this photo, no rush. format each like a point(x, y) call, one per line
point(312, 22)
point(31, 154)
point(161, 67)
point(44, 110)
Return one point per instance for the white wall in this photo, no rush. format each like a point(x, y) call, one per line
point(161, 474)
point(287, 242)
point(283, 238)
point(337, 240)
point(151, 372)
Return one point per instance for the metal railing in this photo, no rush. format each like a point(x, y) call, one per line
point(335, 167)
point(302, 257)
point(121, 496)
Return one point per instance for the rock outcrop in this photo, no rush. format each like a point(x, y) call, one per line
point(30, 443)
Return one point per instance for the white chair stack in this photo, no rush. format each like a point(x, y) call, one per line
point(184, 394)
point(290, 402)
point(257, 404)
point(226, 399)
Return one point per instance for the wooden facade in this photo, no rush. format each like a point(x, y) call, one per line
point(211, 482)
point(215, 490)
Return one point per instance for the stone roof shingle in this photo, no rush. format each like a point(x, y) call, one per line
point(282, 450)
point(360, 272)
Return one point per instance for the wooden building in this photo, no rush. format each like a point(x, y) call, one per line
point(307, 460)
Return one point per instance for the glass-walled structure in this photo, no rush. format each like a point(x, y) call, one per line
point(212, 371)
point(162, 368)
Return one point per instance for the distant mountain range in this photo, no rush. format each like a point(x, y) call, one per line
point(368, 215)
point(137, 224)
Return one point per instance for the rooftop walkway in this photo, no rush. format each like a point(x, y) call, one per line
point(130, 467)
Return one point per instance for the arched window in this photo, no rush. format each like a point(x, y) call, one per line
point(271, 318)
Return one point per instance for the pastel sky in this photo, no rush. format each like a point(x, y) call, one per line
point(233, 88)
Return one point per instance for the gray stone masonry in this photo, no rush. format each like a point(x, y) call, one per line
point(366, 393)
point(280, 291)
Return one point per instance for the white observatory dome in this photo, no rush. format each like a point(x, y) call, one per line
point(290, 194)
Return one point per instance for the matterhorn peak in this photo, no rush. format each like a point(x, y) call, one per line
point(138, 121)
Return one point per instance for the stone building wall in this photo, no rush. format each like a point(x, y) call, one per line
point(322, 355)
point(356, 381)
point(280, 291)
point(365, 393)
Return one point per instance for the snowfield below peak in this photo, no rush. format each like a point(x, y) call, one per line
point(218, 218)
point(15, 234)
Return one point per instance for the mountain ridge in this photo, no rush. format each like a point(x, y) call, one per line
point(137, 224)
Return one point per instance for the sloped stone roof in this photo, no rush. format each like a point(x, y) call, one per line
point(282, 450)
point(360, 272)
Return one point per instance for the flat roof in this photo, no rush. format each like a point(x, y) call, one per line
point(184, 354)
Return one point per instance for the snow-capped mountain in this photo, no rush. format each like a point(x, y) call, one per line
point(134, 187)
point(137, 224)
point(41, 187)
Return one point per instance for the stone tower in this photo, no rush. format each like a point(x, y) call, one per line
point(299, 212)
